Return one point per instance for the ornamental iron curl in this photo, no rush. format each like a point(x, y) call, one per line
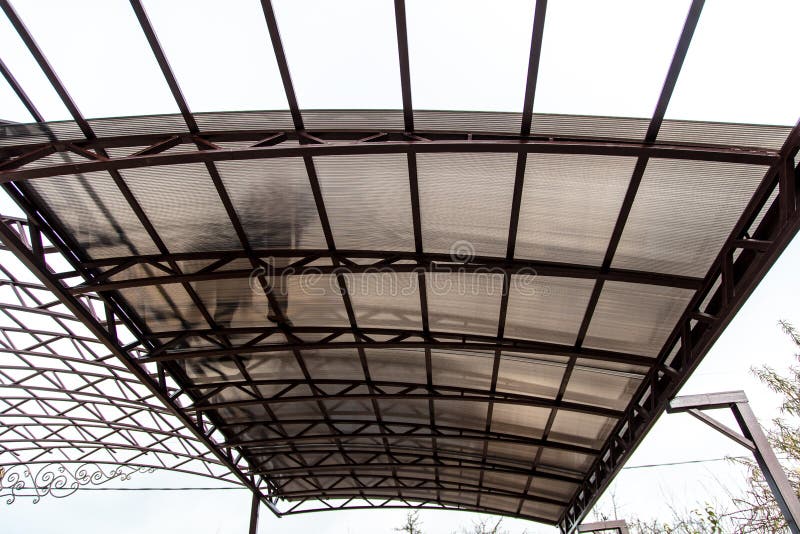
point(60, 479)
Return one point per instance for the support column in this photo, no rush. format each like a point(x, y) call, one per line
point(752, 437)
point(254, 514)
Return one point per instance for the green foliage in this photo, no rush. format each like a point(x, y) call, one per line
point(757, 510)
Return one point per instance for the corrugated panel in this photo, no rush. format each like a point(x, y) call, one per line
point(397, 365)
point(96, 214)
point(544, 308)
point(272, 366)
point(519, 420)
point(250, 120)
point(368, 201)
point(333, 364)
point(635, 318)
point(570, 205)
point(515, 454)
point(356, 119)
point(750, 135)
point(465, 202)
point(581, 428)
point(464, 302)
point(462, 369)
point(467, 121)
point(385, 300)
point(578, 126)
point(589, 384)
point(314, 300)
point(233, 302)
point(530, 374)
point(183, 206)
point(153, 124)
point(682, 214)
point(274, 202)
point(573, 461)
point(164, 308)
point(461, 414)
point(538, 509)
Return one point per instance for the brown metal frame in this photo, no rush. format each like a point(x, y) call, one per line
point(153, 357)
point(60, 383)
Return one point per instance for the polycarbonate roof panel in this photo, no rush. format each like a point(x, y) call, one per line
point(477, 60)
point(462, 369)
point(279, 212)
point(96, 213)
point(683, 213)
point(591, 384)
point(531, 374)
point(570, 205)
point(120, 78)
point(367, 188)
point(237, 72)
point(385, 300)
point(464, 302)
point(544, 308)
point(635, 318)
point(183, 206)
point(607, 58)
point(338, 61)
point(731, 34)
point(465, 202)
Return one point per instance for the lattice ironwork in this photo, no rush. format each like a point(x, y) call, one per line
point(71, 413)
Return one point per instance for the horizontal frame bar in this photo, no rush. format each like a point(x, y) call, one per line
point(330, 144)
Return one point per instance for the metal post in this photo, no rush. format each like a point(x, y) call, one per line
point(254, 514)
point(619, 525)
point(752, 437)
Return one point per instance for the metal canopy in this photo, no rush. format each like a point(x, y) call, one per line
point(470, 310)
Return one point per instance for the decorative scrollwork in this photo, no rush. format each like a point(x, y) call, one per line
point(59, 480)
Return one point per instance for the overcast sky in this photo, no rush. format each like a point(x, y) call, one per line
point(598, 58)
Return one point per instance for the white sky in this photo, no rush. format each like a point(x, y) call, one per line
point(598, 58)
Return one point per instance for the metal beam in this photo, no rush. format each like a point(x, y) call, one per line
point(462, 434)
point(381, 261)
point(333, 469)
point(438, 393)
point(391, 502)
point(393, 339)
point(468, 144)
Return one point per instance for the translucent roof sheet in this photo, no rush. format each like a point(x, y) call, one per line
point(442, 255)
